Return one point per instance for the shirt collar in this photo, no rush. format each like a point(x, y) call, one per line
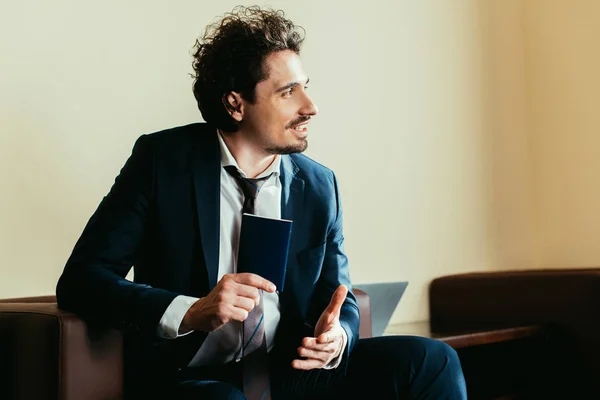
point(227, 159)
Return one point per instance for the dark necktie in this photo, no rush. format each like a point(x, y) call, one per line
point(254, 343)
point(250, 187)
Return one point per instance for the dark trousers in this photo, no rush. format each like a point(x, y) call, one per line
point(390, 367)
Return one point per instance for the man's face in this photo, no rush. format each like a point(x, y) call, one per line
point(277, 120)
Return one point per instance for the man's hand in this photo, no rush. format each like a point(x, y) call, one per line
point(320, 350)
point(230, 300)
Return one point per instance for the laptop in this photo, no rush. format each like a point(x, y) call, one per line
point(384, 299)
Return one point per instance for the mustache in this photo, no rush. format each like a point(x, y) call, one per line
point(298, 122)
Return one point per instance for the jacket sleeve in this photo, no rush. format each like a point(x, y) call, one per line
point(335, 273)
point(93, 283)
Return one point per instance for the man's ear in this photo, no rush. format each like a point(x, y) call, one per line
point(234, 106)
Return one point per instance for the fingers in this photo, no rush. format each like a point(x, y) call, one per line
point(307, 364)
point(254, 280)
point(317, 355)
point(245, 285)
point(238, 314)
point(323, 356)
point(320, 351)
point(324, 338)
point(315, 343)
point(232, 299)
point(247, 291)
point(244, 303)
point(225, 312)
point(231, 292)
point(335, 305)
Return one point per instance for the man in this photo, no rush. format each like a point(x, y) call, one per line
point(193, 327)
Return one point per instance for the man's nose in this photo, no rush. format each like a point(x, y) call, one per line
point(309, 107)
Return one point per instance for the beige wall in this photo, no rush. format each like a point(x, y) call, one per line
point(564, 88)
point(507, 131)
point(424, 117)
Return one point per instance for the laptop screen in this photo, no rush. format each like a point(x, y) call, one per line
point(384, 298)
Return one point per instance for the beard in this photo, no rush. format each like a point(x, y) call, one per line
point(298, 147)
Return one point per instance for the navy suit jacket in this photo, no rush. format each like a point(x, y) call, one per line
point(161, 216)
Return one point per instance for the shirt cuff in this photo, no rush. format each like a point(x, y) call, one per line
point(168, 326)
point(338, 360)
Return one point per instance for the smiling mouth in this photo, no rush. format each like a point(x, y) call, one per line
point(302, 128)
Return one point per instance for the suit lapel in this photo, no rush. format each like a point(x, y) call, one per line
point(206, 165)
point(292, 198)
point(292, 192)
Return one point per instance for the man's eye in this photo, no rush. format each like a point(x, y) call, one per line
point(291, 91)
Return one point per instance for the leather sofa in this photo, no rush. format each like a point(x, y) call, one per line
point(50, 354)
point(564, 301)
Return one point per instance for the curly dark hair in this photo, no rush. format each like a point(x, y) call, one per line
point(229, 57)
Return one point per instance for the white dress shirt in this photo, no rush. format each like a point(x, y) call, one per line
point(225, 344)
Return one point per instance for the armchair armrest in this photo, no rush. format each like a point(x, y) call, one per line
point(365, 329)
point(48, 353)
point(499, 299)
point(566, 299)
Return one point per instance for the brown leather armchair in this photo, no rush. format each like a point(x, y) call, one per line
point(566, 301)
point(50, 354)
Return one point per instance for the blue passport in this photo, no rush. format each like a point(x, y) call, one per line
point(264, 247)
